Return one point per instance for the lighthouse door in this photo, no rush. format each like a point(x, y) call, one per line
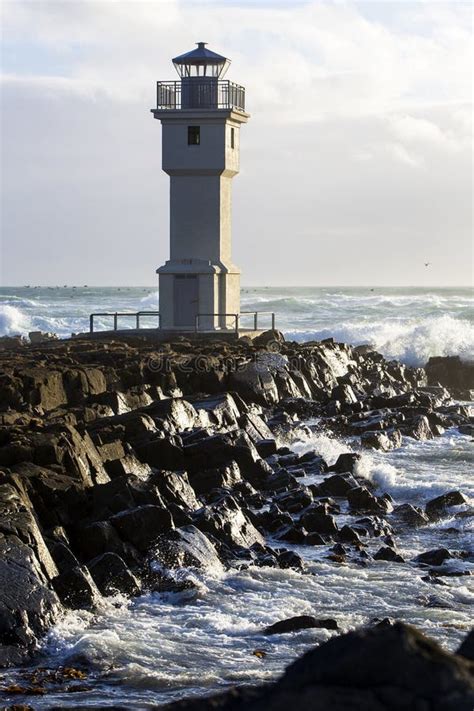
point(185, 300)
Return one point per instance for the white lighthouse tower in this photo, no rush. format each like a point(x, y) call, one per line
point(201, 115)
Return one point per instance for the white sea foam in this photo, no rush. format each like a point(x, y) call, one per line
point(13, 321)
point(149, 302)
point(410, 325)
point(411, 341)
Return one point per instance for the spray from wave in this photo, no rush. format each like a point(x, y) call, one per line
point(13, 321)
point(412, 341)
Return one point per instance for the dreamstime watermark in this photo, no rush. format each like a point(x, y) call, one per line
point(262, 361)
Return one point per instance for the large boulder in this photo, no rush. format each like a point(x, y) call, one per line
point(385, 441)
point(410, 515)
point(142, 525)
point(337, 485)
point(435, 557)
point(439, 506)
point(319, 520)
point(186, 547)
point(112, 575)
point(450, 371)
point(226, 521)
point(102, 537)
point(361, 499)
point(28, 605)
point(162, 453)
point(174, 487)
point(224, 476)
point(76, 588)
point(466, 649)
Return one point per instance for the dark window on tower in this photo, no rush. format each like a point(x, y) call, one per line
point(232, 137)
point(194, 135)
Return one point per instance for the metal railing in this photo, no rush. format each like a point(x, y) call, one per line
point(116, 314)
point(237, 317)
point(256, 314)
point(221, 316)
point(199, 93)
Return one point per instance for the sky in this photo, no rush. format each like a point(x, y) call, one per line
point(356, 164)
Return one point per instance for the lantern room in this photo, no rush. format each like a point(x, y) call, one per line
point(201, 62)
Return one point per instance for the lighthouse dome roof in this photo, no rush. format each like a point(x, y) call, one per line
point(200, 55)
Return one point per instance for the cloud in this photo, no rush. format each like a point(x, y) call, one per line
point(361, 119)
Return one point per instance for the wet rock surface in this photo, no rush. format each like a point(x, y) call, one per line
point(122, 461)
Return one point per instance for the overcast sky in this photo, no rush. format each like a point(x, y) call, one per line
point(355, 164)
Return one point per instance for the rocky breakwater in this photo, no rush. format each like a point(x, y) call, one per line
point(123, 463)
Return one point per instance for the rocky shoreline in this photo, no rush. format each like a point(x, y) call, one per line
point(123, 462)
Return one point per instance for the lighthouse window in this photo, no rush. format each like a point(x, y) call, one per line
point(232, 137)
point(194, 135)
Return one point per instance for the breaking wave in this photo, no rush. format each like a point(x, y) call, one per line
point(410, 325)
point(411, 341)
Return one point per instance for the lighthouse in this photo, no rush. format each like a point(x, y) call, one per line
point(201, 115)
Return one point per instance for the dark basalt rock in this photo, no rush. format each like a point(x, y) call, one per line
point(384, 441)
point(437, 507)
point(302, 622)
point(348, 535)
point(111, 575)
point(186, 547)
point(226, 522)
point(28, 605)
point(63, 556)
point(337, 485)
point(410, 515)
point(295, 500)
point(101, 537)
point(225, 476)
point(344, 394)
point(76, 588)
point(435, 557)
point(361, 499)
point(289, 559)
point(293, 534)
point(142, 525)
point(270, 337)
point(163, 453)
point(387, 553)
point(373, 526)
point(345, 462)
point(266, 447)
point(451, 372)
point(418, 428)
point(174, 487)
point(319, 520)
point(467, 647)
point(109, 454)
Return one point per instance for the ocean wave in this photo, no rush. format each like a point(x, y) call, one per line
point(149, 302)
point(410, 327)
point(19, 302)
point(13, 321)
point(411, 341)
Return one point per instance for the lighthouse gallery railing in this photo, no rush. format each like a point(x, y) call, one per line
point(202, 93)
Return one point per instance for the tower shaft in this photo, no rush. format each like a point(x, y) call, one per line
point(199, 284)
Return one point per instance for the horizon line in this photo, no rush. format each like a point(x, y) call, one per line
point(245, 286)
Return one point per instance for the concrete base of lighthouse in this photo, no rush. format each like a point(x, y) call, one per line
point(198, 295)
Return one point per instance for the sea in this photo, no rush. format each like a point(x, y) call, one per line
point(162, 647)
